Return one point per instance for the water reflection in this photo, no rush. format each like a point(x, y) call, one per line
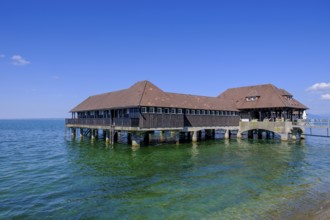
point(247, 172)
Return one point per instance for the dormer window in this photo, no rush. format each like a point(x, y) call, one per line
point(288, 97)
point(251, 98)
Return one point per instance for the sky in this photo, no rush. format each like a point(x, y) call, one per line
point(56, 53)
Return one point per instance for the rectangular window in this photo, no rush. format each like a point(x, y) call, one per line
point(187, 111)
point(151, 110)
point(198, 112)
point(208, 112)
point(217, 113)
point(203, 112)
point(212, 112)
point(179, 111)
point(192, 112)
point(173, 111)
point(159, 111)
point(166, 111)
point(144, 110)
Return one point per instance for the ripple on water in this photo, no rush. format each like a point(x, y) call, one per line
point(45, 175)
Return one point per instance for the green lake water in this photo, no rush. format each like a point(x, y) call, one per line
point(46, 174)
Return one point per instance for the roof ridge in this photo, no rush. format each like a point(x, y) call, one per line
point(144, 90)
point(175, 93)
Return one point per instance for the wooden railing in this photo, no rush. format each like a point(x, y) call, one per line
point(89, 121)
point(123, 122)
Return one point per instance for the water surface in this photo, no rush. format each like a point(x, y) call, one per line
point(46, 174)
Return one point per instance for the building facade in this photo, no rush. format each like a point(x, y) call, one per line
point(145, 108)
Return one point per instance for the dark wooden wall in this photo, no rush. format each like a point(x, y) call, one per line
point(169, 120)
point(161, 121)
point(209, 120)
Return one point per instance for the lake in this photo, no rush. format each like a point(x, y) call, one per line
point(46, 174)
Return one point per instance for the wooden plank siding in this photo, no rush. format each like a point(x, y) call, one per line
point(209, 121)
point(147, 120)
point(176, 121)
point(126, 122)
point(89, 121)
point(161, 120)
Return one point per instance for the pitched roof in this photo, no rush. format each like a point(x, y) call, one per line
point(269, 96)
point(144, 93)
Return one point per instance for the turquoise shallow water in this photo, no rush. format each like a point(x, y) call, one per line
point(46, 174)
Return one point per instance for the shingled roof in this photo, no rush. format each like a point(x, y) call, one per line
point(144, 93)
point(268, 96)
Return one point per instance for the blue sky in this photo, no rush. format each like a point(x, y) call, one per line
point(56, 53)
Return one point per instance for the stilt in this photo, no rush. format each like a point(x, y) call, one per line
point(161, 137)
point(194, 136)
point(177, 137)
point(227, 134)
point(73, 132)
point(81, 131)
point(135, 139)
point(93, 134)
point(107, 139)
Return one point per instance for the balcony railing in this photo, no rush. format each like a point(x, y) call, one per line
point(123, 122)
point(89, 121)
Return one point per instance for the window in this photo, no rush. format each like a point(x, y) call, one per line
point(144, 109)
point(203, 112)
point(166, 111)
point(159, 111)
point(224, 113)
point(173, 110)
point(251, 98)
point(217, 113)
point(198, 112)
point(212, 112)
point(187, 111)
point(151, 110)
point(192, 112)
point(208, 112)
point(179, 111)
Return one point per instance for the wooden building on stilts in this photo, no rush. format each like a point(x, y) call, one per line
point(144, 113)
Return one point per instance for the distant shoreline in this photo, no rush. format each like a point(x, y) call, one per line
point(3, 119)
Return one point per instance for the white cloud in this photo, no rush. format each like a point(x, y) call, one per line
point(319, 86)
point(325, 96)
point(19, 61)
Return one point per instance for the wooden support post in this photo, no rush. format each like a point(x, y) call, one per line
point(73, 132)
point(93, 134)
point(81, 131)
point(112, 134)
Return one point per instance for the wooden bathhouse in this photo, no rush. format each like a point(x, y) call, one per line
point(144, 109)
point(264, 102)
